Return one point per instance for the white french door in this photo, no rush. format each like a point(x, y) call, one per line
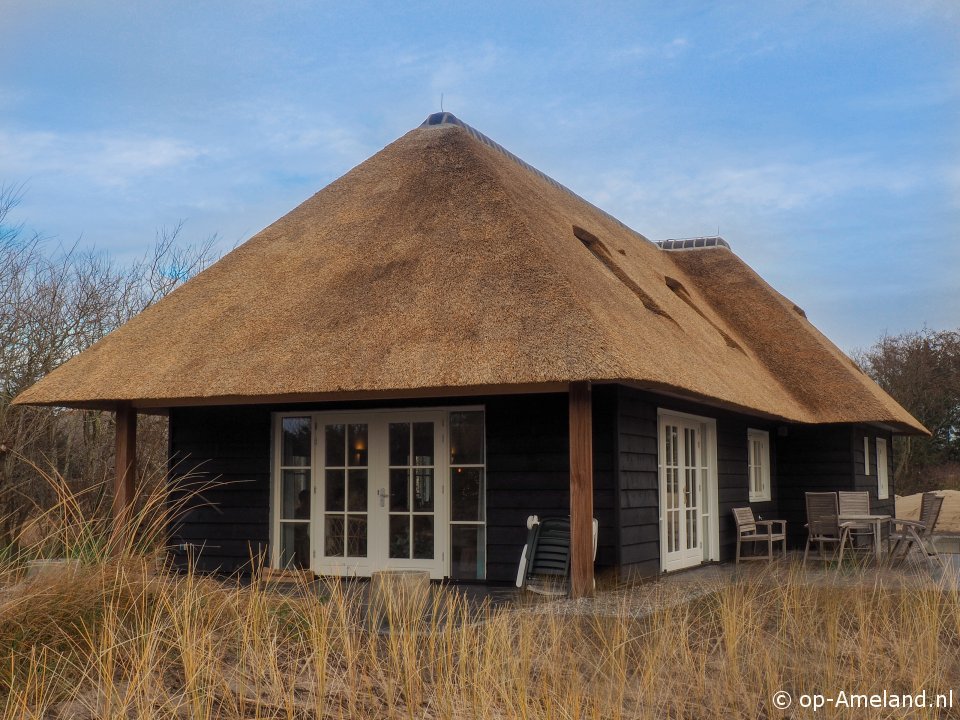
point(687, 491)
point(373, 496)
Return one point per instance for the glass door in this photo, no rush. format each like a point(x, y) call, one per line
point(342, 526)
point(381, 492)
point(411, 496)
point(682, 473)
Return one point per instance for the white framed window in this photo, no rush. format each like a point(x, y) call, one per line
point(883, 482)
point(866, 454)
point(758, 464)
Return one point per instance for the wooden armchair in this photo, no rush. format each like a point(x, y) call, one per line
point(747, 532)
point(906, 535)
point(823, 524)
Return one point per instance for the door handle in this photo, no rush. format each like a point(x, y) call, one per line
point(382, 494)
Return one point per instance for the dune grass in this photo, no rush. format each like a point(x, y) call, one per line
point(120, 637)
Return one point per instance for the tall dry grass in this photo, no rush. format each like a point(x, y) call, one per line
point(118, 638)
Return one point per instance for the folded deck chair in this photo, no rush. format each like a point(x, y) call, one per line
point(545, 560)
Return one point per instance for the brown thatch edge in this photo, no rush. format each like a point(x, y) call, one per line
point(159, 406)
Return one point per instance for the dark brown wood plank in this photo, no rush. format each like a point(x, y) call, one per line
point(124, 486)
point(581, 490)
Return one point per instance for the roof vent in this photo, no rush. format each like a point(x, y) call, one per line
point(694, 243)
point(600, 252)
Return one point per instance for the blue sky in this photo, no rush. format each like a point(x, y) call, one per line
point(821, 138)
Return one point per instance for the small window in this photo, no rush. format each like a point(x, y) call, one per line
point(866, 455)
point(758, 462)
point(883, 483)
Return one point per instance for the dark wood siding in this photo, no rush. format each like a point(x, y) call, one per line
point(229, 447)
point(638, 487)
point(812, 458)
point(527, 474)
point(870, 482)
point(637, 428)
point(528, 461)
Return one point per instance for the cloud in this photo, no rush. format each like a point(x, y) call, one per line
point(765, 187)
point(294, 128)
point(107, 159)
point(650, 51)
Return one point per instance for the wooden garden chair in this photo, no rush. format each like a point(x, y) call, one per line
point(906, 535)
point(857, 503)
point(748, 532)
point(823, 524)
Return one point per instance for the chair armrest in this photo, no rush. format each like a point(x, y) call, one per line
point(907, 523)
point(771, 523)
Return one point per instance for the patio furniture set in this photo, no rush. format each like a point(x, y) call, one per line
point(843, 520)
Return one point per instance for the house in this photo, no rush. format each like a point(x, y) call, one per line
point(444, 341)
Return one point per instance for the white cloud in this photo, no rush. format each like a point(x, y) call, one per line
point(106, 159)
point(772, 186)
point(651, 51)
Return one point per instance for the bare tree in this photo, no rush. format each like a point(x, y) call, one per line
point(921, 371)
point(54, 303)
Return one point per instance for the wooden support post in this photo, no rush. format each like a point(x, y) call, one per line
point(581, 490)
point(124, 486)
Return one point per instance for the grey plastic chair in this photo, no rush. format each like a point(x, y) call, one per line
point(545, 560)
point(823, 524)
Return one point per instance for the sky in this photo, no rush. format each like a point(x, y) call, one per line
point(820, 139)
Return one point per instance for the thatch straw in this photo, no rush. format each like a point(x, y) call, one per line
point(441, 263)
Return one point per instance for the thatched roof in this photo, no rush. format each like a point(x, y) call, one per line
point(443, 264)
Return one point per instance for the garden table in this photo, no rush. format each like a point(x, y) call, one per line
point(876, 520)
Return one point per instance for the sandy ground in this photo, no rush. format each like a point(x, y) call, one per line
point(908, 507)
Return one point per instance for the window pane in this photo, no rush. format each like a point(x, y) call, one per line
point(423, 443)
point(333, 490)
point(400, 536)
point(296, 495)
point(357, 492)
point(296, 442)
point(357, 442)
point(399, 443)
point(423, 490)
point(466, 438)
point(399, 490)
point(295, 545)
point(335, 438)
point(466, 493)
point(333, 536)
point(356, 535)
point(423, 537)
point(468, 552)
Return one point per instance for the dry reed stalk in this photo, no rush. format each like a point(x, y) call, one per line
point(118, 639)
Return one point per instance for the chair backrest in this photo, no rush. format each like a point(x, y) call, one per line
point(854, 503)
point(549, 548)
point(743, 517)
point(930, 505)
point(822, 513)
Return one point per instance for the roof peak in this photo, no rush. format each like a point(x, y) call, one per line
point(447, 118)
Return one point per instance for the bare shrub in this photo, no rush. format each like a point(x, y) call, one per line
point(55, 302)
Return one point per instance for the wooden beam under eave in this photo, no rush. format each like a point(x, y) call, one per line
point(124, 485)
point(581, 490)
